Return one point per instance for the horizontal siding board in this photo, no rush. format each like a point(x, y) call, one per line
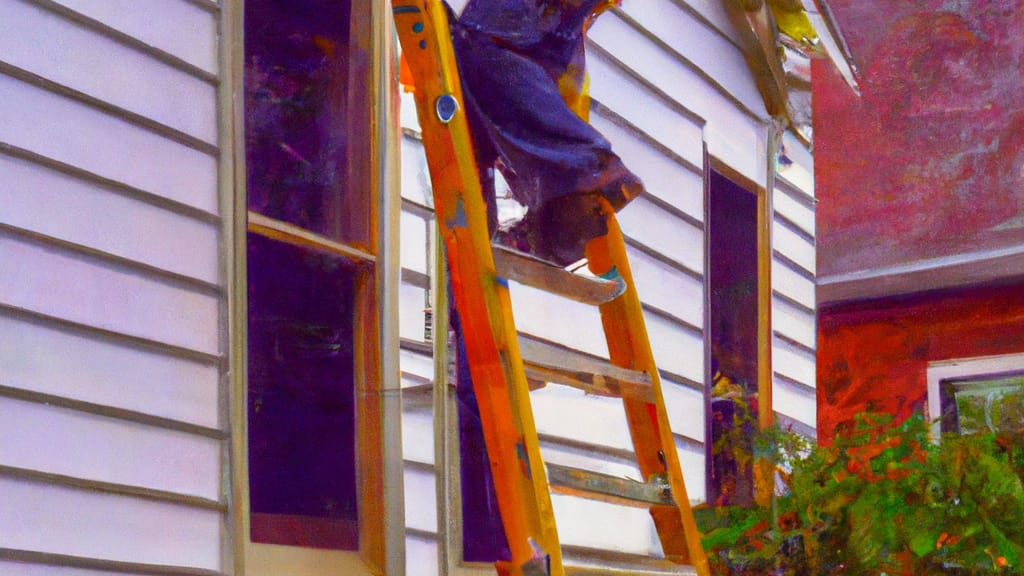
point(557, 319)
point(603, 526)
point(795, 401)
point(412, 303)
point(793, 363)
point(594, 419)
point(87, 291)
point(713, 54)
point(413, 242)
point(51, 203)
point(418, 435)
point(415, 363)
point(793, 246)
point(420, 556)
point(106, 373)
point(23, 569)
point(786, 205)
point(60, 50)
point(615, 88)
point(60, 441)
point(794, 323)
point(664, 232)
point(56, 519)
point(792, 285)
point(714, 12)
point(692, 460)
point(582, 459)
point(38, 121)
point(421, 499)
point(665, 178)
point(177, 27)
point(676, 348)
point(667, 288)
point(685, 408)
point(739, 142)
point(415, 175)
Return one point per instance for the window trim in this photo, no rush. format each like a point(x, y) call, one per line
point(765, 216)
point(378, 411)
point(959, 368)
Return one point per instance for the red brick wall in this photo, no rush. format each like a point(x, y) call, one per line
point(874, 355)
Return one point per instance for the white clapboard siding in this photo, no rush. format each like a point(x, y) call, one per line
point(677, 348)
point(60, 50)
point(792, 285)
point(585, 457)
point(12, 568)
point(418, 435)
point(565, 412)
point(557, 319)
point(668, 288)
point(54, 204)
point(420, 365)
point(672, 180)
point(796, 401)
point(415, 174)
point(732, 133)
point(37, 120)
point(712, 12)
point(603, 526)
point(90, 291)
point(793, 246)
point(794, 206)
point(793, 362)
point(665, 232)
point(702, 47)
point(106, 372)
point(692, 457)
point(413, 242)
point(420, 556)
point(184, 29)
point(110, 308)
point(420, 498)
point(615, 88)
point(794, 323)
point(71, 443)
point(800, 173)
point(685, 407)
point(412, 306)
point(53, 519)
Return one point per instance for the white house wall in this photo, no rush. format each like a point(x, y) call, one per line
point(110, 289)
point(794, 318)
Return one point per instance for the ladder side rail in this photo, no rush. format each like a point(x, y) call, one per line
point(629, 347)
point(481, 297)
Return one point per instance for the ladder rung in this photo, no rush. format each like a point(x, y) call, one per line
point(526, 269)
point(614, 489)
point(552, 363)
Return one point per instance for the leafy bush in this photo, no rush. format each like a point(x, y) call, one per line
point(882, 499)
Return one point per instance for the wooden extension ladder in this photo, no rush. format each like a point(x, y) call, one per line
point(501, 363)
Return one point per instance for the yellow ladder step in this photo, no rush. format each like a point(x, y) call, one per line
point(607, 488)
point(526, 269)
point(557, 364)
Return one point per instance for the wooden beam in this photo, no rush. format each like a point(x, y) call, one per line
point(526, 269)
point(606, 488)
point(552, 363)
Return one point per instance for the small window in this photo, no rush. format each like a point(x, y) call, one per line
point(981, 404)
point(310, 201)
point(732, 285)
point(973, 395)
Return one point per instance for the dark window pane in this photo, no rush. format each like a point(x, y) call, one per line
point(307, 113)
point(302, 475)
point(733, 285)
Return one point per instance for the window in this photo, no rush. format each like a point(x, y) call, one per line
point(733, 338)
point(976, 395)
point(310, 268)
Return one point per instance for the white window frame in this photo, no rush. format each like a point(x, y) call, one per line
point(963, 368)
